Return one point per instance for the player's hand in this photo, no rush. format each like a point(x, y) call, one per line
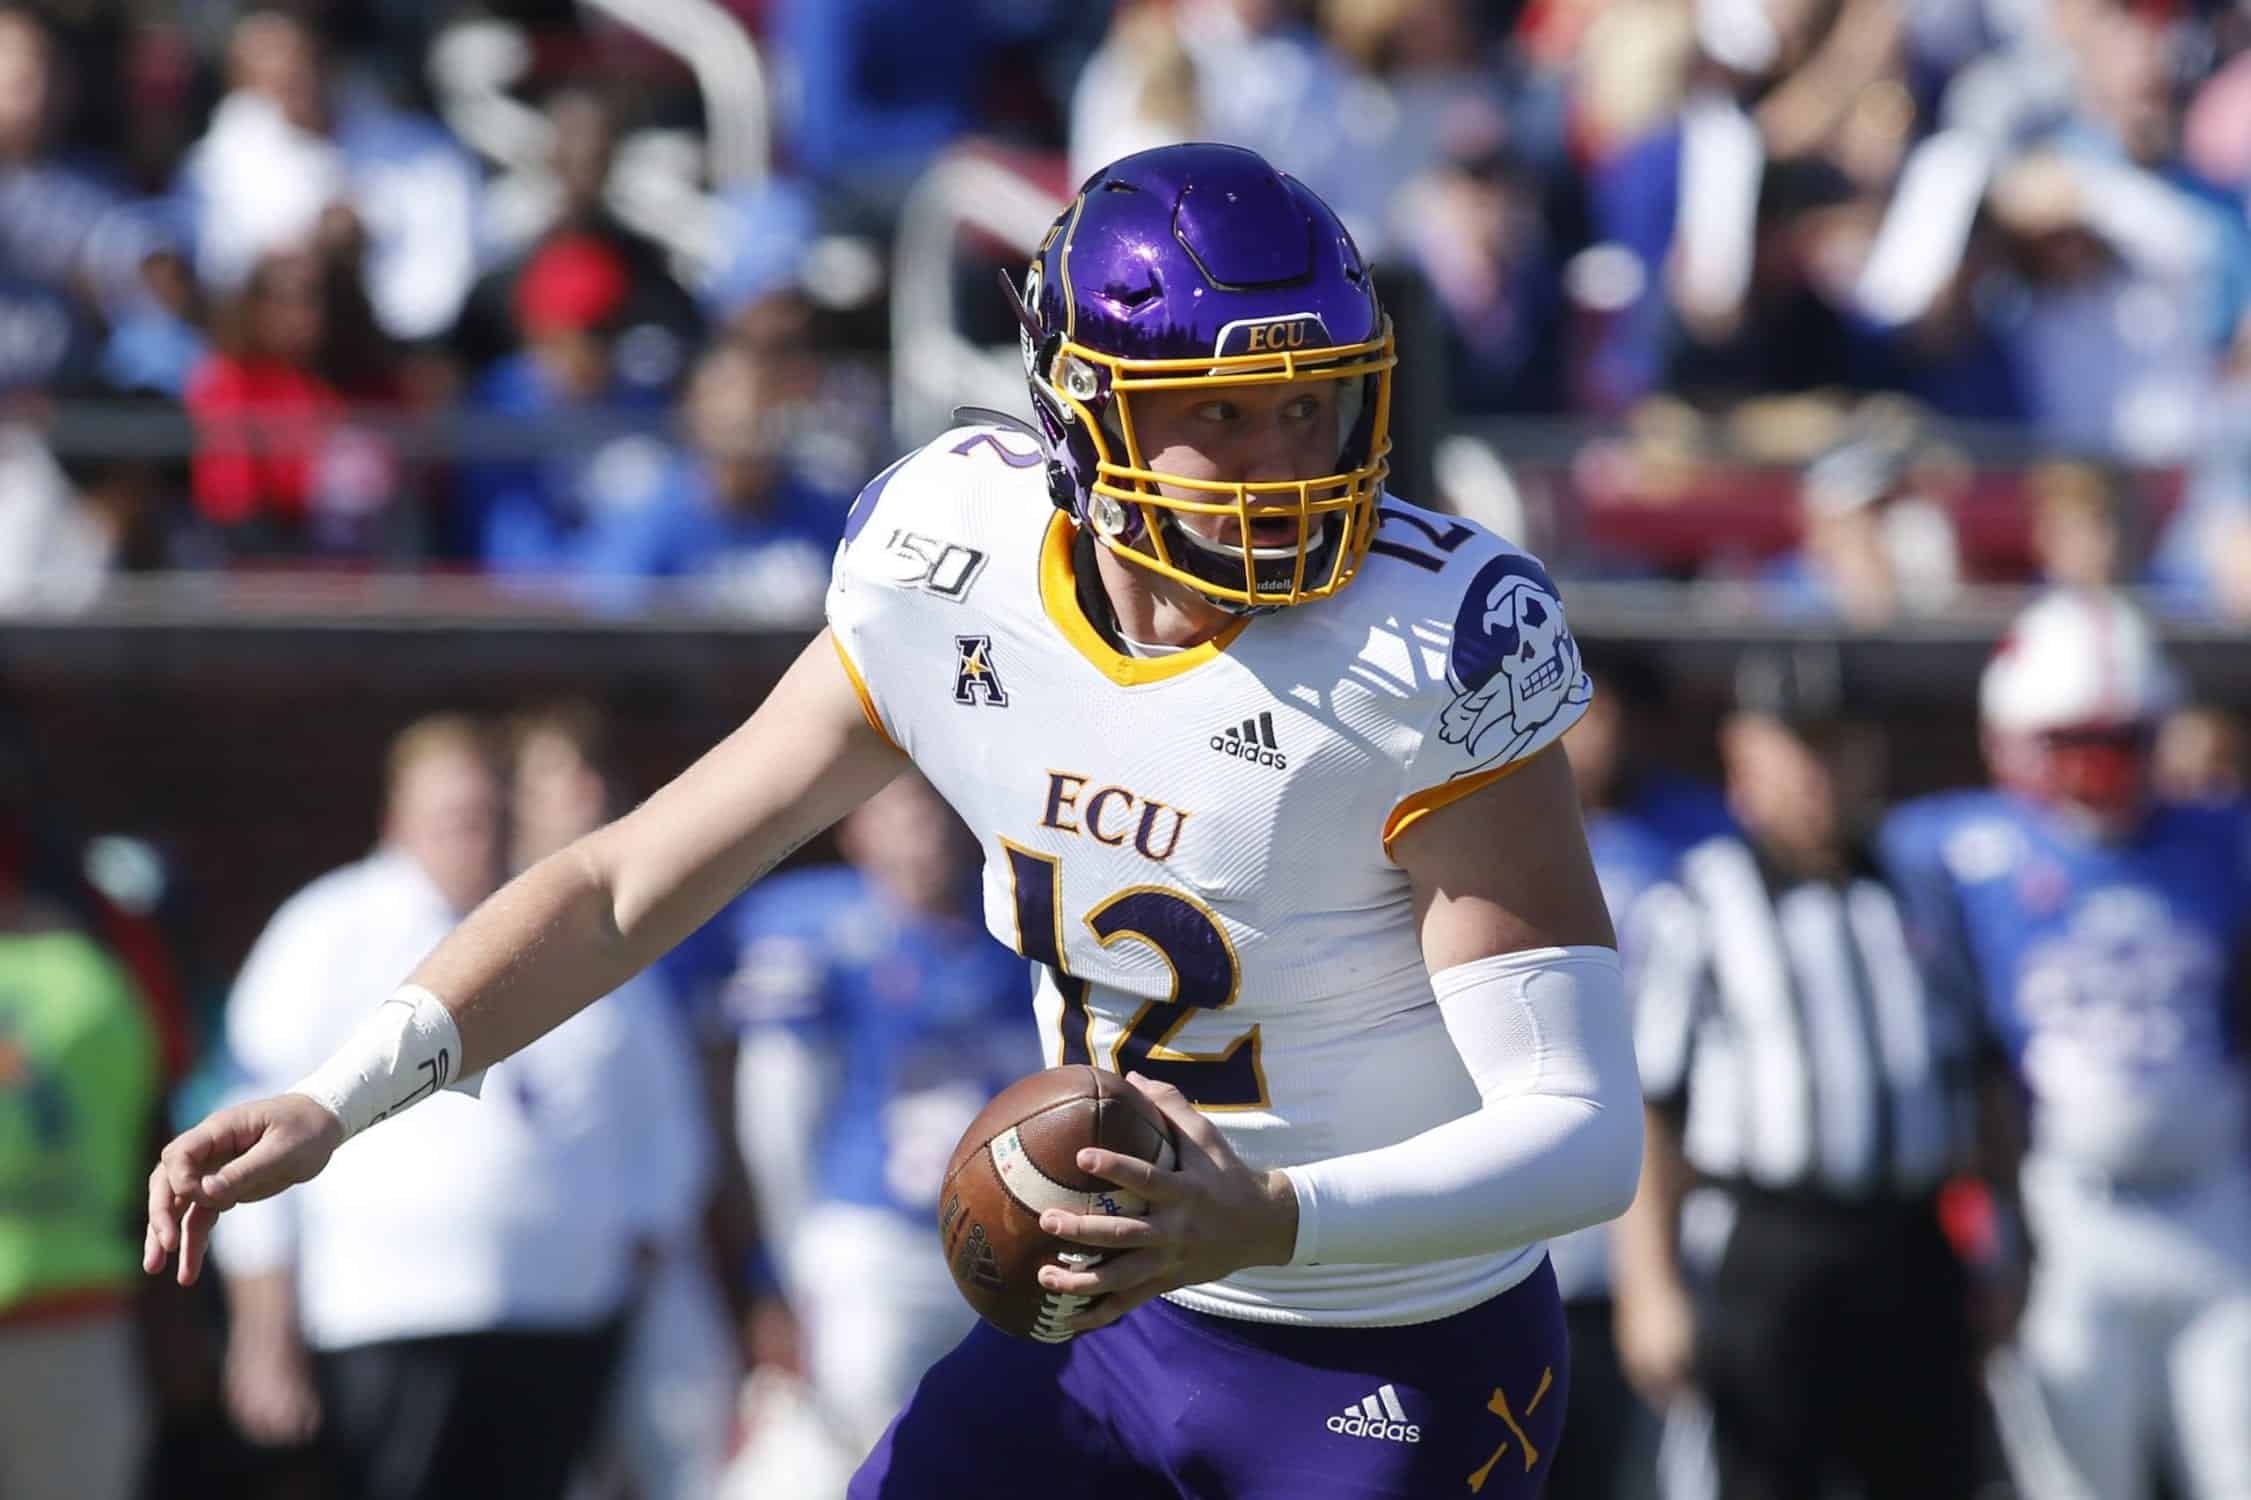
point(1996, 1306)
point(1656, 1332)
point(772, 1338)
point(238, 1155)
point(1207, 1218)
point(269, 1387)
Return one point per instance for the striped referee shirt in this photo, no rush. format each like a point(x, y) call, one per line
point(1786, 1020)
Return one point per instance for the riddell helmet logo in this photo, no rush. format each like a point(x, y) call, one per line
point(1376, 1416)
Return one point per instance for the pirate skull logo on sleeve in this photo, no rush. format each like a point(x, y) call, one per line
point(1513, 666)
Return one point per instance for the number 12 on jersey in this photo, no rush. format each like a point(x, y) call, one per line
point(1205, 976)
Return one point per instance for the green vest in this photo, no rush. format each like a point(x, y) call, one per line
point(78, 1082)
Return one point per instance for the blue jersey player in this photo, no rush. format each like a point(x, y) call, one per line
point(2099, 933)
point(876, 1019)
point(1260, 760)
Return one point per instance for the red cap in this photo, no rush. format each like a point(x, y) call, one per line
point(572, 284)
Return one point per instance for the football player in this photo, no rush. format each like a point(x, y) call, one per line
point(877, 1018)
point(2099, 934)
point(1260, 759)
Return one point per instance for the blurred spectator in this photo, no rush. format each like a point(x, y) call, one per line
point(1247, 72)
point(1647, 811)
point(537, 1199)
point(1428, 85)
point(1746, 211)
point(880, 86)
point(2130, 273)
point(260, 406)
point(156, 336)
point(767, 234)
point(877, 1017)
point(287, 146)
point(2078, 525)
point(582, 424)
point(1140, 90)
point(81, 1072)
point(2096, 935)
point(1629, 61)
point(280, 466)
point(63, 224)
point(1473, 225)
point(47, 341)
point(1872, 549)
point(2202, 558)
point(658, 320)
point(672, 1409)
point(57, 546)
point(2200, 756)
point(1804, 1090)
point(2016, 211)
point(2215, 142)
point(1768, 315)
point(730, 515)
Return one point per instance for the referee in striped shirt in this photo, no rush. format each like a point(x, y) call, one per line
point(1784, 1292)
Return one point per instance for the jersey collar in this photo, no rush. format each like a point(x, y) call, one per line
point(1059, 596)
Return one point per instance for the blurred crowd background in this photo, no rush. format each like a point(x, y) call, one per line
point(359, 360)
point(622, 300)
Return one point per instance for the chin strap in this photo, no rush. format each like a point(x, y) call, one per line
point(1094, 600)
point(1183, 548)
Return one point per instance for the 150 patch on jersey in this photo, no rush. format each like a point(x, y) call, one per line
point(933, 564)
point(1513, 664)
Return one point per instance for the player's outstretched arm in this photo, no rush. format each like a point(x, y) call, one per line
point(567, 931)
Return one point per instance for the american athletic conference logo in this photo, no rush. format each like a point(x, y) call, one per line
point(976, 679)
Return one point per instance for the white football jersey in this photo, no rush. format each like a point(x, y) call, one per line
point(1192, 848)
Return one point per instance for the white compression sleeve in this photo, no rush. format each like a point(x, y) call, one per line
point(1555, 1145)
point(405, 1052)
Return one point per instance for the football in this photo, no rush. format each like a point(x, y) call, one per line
point(1018, 1159)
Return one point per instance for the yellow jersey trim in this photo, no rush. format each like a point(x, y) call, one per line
point(860, 687)
point(1059, 596)
point(1421, 804)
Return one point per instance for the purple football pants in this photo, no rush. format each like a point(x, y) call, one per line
point(1168, 1404)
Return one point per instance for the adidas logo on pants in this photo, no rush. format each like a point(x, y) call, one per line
point(1377, 1416)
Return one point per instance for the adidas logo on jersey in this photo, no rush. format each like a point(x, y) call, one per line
point(1377, 1416)
point(1252, 740)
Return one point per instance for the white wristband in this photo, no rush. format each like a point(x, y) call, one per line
point(404, 1053)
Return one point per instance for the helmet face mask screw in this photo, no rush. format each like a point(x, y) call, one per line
point(1108, 515)
point(1079, 380)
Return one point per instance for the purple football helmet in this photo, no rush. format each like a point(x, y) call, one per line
point(1201, 266)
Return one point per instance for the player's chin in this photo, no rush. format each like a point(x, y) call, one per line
point(1267, 533)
